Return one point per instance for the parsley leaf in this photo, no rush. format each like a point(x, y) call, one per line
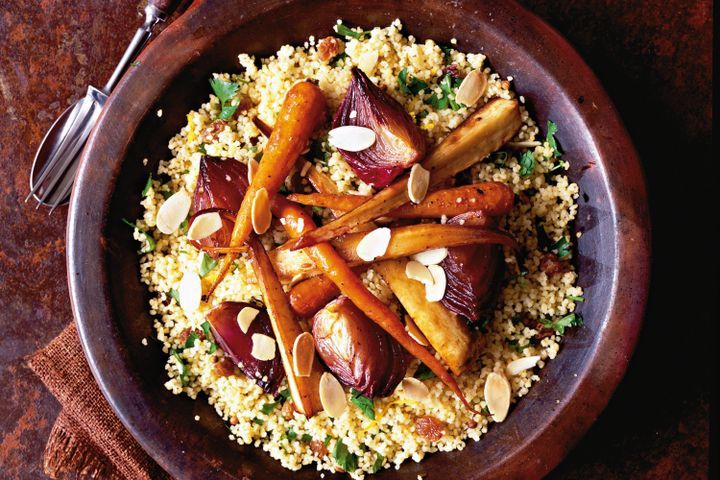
point(284, 394)
point(414, 86)
point(423, 372)
point(174, 294)
point(559, 325)
point(344, 458)
point(340, 57)
point(207, 264)
point(346, 31)
point(184, 227)
point(269, 407)
point(447, 52)
point(258, 421)
point(148, 186)
point(291, 434)
point(206, 329)
point(527, 164)
point(148, 238)
point(447, 97)
point(363, 403)
point(201, 149)
point(225, 91)
point(499, 158)
point(306, 437)
point(185, 374)
point(574, 298)
point(379, 461)
point(551, 131)
point(190, 342)
point(166, 194)
point(561, 247)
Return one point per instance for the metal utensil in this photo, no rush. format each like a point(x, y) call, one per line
point(53, 169)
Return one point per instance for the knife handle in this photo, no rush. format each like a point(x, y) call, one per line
point(166, 7)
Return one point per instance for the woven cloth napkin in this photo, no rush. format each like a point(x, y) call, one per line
point(87, 440)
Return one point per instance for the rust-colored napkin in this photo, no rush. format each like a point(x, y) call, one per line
point(87, 440)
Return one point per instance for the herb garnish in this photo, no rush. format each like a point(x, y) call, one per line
point(207, 264)
point(148, 186)
point(149, 238)
point(499, 158)
point(284, 395)
point(291, 434)
point(306, 437)
point(340, 57)
point(344, 458)
point(423, 372)
point(206, 329)
point(269, 407)
point(346, 31)
point(327, 440)
point(561, 247)
point(379, 461)
point(447, 98)
point(574, 298)
point(258, 421)
point(201, 149)
point(551, 131)
point(184, 227)
point(166, 194)
point(447, 52)
point(190, 342)
point(225, 91)
point(414, 86)
point(527, 164)
point(174, 294)
point(364, 403)
point(559, 325)
point(185, 374)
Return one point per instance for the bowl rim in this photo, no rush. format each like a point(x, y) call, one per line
point(88, 283)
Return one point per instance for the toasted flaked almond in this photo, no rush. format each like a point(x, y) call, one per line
point(414, 332)
point(260, 212)
point(472, 88)
point(173, 212)
point(204, 225)
point(367, 61)
point(332, 395)
point(436, 291)
point(351, 138)
point(190, 291)
point(413, 389)
point(522, 364)
point(303, 354)
point(418, 183)
point(263, 347)
point(252, 167)
point(415, 270)
point(245, 317)
point(431, 257)
point(374, 244)
point(497, 396)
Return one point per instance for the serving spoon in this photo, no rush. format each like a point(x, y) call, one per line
point(53, 170)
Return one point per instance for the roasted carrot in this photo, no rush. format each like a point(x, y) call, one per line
point(297, 222)
point(304, 390)
point(493, 198)
point(478, 136)
point(303, 109)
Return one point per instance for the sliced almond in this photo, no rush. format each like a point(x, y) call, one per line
point(332, 395)
point(190, 291)
point(418, 183)
point(173, 212)
point(252, 167)
point(263, 347)
point(303, 354)
point(436, 291)
point(260, 212)
point(246, 317)
point(367, 61)
point(497, 396)
point(413, 389)
point(351, 138)
point(414, 332)
point(415, 270)
point(472, 88)
point(522, 364)
point(204, 225)
point(431, 257)
point(374, 244)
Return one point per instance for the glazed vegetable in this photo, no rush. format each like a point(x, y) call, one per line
point(358, 352)
point(471, 271)
point(478, 136)
point(398, 141)
point(304, 390)
point(219, 238)
point(494, 198)
point(447, 333)
point(302, 110)
point(238, 345)
point(297, 222)
point(221, 184)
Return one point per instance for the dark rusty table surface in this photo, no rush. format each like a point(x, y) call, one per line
point(655, 59)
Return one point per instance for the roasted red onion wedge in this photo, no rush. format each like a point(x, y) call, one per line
point(238, 345)
point(356, 350)
point(398, 144)
point(220, 184)
point(471, 271)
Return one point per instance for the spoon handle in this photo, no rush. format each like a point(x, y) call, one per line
point(155, 11)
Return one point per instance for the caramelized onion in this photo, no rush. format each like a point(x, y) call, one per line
point(221, 184)
point(399, 143)
point(358, 352)
point(238, 345)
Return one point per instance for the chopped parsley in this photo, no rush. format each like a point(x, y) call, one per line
point(268, 408)
point(207, 264)
point(551, 131)
point(344, 458)
point(206, 329)
point(190, 342)
point(379, 461)
point(184, 227)
point(201, 149)
point(423, 372)
point(559, 325)
point(527, 164)
point(148, 238)
point(306, 438)
point(174, 294)
point(446, 99)
point(327, 440)
point(447, 54)
point(574, 298)
point(258, 421)
point(413, 86)
point(561, 247)
point(166, 194)
point(340, 57)
point(515, 345)
point(364, 403)
point(185, 374)
point(284, 395)
point(499, 158)
point(346, 31)
point(225, 91)
point(148, 186)
point(291, 434)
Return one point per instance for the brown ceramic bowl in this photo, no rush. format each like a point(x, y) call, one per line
point(110, 304)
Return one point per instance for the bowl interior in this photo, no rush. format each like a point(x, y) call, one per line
point(173, 75)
